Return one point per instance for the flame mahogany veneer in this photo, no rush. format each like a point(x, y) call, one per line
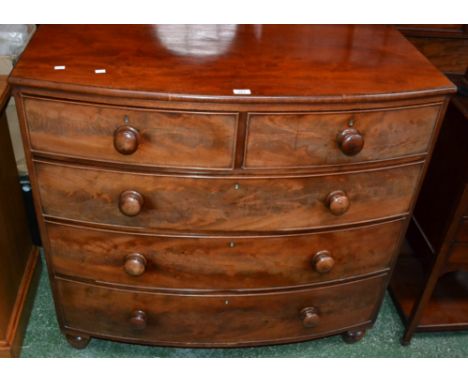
point(224, 185)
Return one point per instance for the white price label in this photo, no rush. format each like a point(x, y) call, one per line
point(241, 91)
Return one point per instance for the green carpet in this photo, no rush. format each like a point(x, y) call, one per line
point(44, 339)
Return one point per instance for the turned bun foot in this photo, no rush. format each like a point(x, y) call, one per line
point(405, 341)
point(353, 336)
point(78, 342)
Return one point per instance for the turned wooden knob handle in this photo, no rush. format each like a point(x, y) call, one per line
point(310, 317)
point(135, 264)
point(337, 202)
point(126, 140)
point(138, 319)
point(323, 262)
point(130, 203)
point(350, 141)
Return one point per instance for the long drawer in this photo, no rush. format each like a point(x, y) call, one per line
point(215, 204)
point(130, 135)
point(285, 140)
point(217, 319)
point(219, 263)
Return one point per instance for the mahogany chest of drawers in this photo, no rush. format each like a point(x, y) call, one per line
point(224, 185)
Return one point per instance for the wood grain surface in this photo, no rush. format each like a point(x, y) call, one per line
point(281, 63)
point(214, 204)
point(210, 263)
point(300, 140)
point(167, 138)
point(218, 319)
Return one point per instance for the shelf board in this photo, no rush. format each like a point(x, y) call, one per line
point(448, 306)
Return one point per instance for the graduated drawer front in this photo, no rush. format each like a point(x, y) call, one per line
point(191, 204)
point(216, 319)
point(222, 263)
point(166, 138)
point(283, 140)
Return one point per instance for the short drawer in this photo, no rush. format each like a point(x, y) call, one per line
point(217, 319)
point(287, 140)
point(214, 204)
point(222, 263)
point(133, 136)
